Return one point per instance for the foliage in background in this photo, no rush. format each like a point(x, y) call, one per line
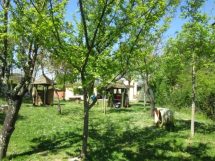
point(175, 67)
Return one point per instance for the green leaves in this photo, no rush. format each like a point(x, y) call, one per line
point(191, 47)
point(191, 9)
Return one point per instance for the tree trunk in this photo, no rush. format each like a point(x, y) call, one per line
point(193, 96)
point(193, 120)
point(85, 127)
point(59, 110)
point(144, 94)
point(127, 94)
point(152, 100)
point(5, 68)
point(104, 103)
point(64, 86)
point(58, 99)
point(150, 94)
point(9, 125)
point(149, 90)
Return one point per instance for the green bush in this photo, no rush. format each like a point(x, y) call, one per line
point(179, 95)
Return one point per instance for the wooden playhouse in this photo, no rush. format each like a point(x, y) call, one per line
point(118, 96)
point(42, 91)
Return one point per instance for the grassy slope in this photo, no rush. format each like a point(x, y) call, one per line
point(124, 134)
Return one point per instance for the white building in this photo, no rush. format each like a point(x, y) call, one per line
point(133, 92)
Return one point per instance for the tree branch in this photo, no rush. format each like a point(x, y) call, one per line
point(99, 24)
point(84, 24)
point(56, 33)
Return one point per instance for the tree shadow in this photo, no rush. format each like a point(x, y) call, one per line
point(65, 113)
point(51, 143)
point(129, 109)
point(111, 141)
point(138, 144)
point(133, 144)
point(56, 104)
point(140, 105)
point(200, 127)
point(72, 111)
point(2, 117)
point(120, 110)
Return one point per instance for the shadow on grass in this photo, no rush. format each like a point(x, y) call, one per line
point(2, 117)
point(134, 109)
point(140, 105)
point(131, 144)
point(199, 127)
point(120, 110)
point(149, 143)
point(51, 144)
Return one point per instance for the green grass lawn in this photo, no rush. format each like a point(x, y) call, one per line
point(120, 135)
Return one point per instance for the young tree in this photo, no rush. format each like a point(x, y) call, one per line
point(194, 38)
point(147, 51)
point(190, 51)
point(93, 46)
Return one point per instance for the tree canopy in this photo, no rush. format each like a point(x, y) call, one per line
point(107, 40)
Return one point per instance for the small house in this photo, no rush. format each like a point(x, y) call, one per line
point(118, 96)
point(43, 92)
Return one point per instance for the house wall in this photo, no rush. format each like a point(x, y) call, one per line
point(69, 94)
point(132, 91)
point(60, 93)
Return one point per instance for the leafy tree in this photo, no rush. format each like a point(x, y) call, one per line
point(194, 46)
point(145, 61)
point(171, 65)
point(96, 46)
point(188, 55)
point(27, 31)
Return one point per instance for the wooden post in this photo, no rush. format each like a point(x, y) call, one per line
point(102, 104)
point(104, 99)
point(144, 95)
point(47, 94)
point(144, 98)
point(122, 98)
point(36, 103)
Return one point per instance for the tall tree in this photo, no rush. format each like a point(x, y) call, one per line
point(94, 45)
point(189, 52)
point(147, 49)
point(26, 29)
point(191, 11)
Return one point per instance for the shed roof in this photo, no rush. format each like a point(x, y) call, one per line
point(43, 80)
point(119, 85)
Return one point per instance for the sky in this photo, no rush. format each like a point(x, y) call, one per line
point(177, 22)
point(175, 25)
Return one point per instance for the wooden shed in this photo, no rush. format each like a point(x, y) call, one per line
point(43, 92)
point(118, 96)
